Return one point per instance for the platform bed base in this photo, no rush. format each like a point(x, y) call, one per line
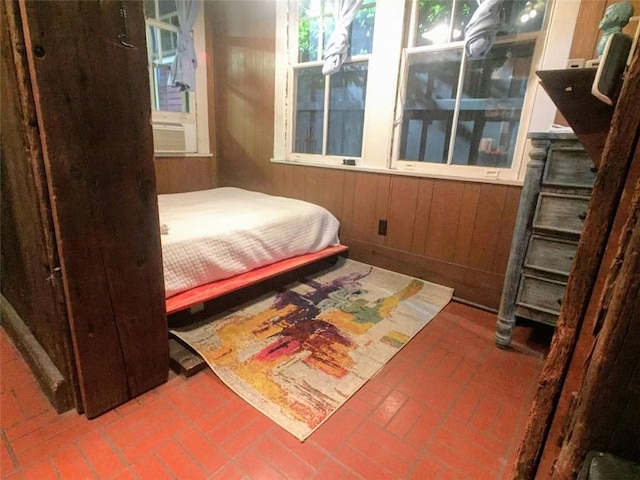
point(205, 301)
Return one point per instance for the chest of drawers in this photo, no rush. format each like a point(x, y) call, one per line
point(552, 210)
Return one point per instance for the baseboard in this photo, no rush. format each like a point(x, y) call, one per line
point(477, 287)
point(51, 381)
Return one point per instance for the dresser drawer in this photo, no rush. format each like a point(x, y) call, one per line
point(541, 294)
point(561, 213)
point(569, 167)
point(550, 254)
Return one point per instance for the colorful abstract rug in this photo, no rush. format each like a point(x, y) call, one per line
point(298, 354)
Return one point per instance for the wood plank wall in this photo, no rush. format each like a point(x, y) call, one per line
point(185, 174)
point(451, 232)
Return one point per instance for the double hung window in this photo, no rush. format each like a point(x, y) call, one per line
point(409, 97)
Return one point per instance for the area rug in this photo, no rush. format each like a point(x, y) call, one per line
point(298, 354)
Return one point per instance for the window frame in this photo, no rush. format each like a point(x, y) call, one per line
point(466, 171)
point(196, 121)
point(387, 62)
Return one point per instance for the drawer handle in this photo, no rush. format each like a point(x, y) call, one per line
point(582, 216)
point(594, 169)
point(559, 301)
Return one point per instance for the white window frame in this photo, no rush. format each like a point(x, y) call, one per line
point(379, 149)
point(196, 122)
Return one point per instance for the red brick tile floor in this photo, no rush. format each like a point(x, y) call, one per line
point(450, 405)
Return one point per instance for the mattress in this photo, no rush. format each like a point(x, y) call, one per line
point(214, 234)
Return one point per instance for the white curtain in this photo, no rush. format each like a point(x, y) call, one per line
point(344, 11)
point(480, 33)
point(183, 70)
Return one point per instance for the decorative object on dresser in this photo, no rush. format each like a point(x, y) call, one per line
point(553, 207)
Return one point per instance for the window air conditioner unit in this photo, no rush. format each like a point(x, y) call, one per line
point(169, 138)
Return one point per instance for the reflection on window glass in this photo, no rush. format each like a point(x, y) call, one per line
point(444, 21)
point(161, 45)
point(347, 92)
point(361, 41)
point(309, 110)
point(524, 15)
point(429, 105)
point(491, 104)
point(163, 10)
point(434, 21)
point(316, 23)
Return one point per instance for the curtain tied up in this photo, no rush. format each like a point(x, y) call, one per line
point(344, 12)
point(183, 69)
point(481, 31)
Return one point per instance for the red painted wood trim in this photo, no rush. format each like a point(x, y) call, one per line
point(212, 290)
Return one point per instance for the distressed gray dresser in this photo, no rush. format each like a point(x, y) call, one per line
point(553, 206)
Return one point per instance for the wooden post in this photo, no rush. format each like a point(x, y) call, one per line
point(88, 65)
point(610, 394)
point(615, 163)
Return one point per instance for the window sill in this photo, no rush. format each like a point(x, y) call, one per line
point(406, 173)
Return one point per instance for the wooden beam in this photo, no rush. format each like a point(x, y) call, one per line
point(91, 92)
point(618, 154)
point(51, 381)
point(31, 279)
point(611, 385)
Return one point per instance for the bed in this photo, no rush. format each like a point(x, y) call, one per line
point(221, 240)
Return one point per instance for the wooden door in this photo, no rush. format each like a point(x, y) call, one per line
point(88, 68)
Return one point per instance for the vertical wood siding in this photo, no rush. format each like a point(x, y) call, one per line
point(184, 174)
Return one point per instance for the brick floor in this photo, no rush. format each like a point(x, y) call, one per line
point(450, 405)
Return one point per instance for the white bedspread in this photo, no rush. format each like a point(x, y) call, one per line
point(214, 234)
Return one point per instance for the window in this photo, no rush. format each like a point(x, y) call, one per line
point(408, 98)
point(329, 110)
point(179, 118)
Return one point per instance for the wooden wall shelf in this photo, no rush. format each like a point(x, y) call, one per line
point(589, 118)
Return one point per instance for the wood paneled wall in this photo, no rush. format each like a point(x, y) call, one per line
point(185, 174)
point(451, 232)
point(244, 66)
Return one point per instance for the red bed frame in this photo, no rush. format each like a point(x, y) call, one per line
point(209, 291)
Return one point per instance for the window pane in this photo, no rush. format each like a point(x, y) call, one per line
point(161, 45)
point(434, 21)
point(327, 28)
point(463, 12)
point(491, 104)
point(347, 93)
point(309, 8)
point(308, 40)
point(524, 15)
point(428, 105)
point(163, 10)
point(362, 30)
point(309, 110)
